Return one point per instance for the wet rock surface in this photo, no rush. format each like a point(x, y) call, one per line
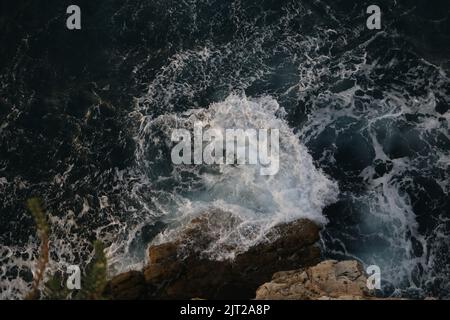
point(127, 286)
point(176, 273)
point(344, 280)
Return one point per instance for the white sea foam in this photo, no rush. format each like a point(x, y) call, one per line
point(305, 65)
point(298, 190)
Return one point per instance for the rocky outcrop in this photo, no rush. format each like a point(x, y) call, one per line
point(329, 279)
point(127, 286)
point(179, 270)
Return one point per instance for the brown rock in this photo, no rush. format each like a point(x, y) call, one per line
point(163, 252)
point(328, 280)
point(191, 274)
point(127, 286)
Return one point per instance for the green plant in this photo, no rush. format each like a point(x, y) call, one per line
point(55, 288)
point(34, 205)
point(93, 283)
point(95, 280)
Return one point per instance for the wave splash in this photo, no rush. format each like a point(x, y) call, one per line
point(298, 190)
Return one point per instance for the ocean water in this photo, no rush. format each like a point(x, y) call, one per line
point(86, 119)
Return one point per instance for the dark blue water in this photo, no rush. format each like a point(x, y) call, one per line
point(85, 119)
